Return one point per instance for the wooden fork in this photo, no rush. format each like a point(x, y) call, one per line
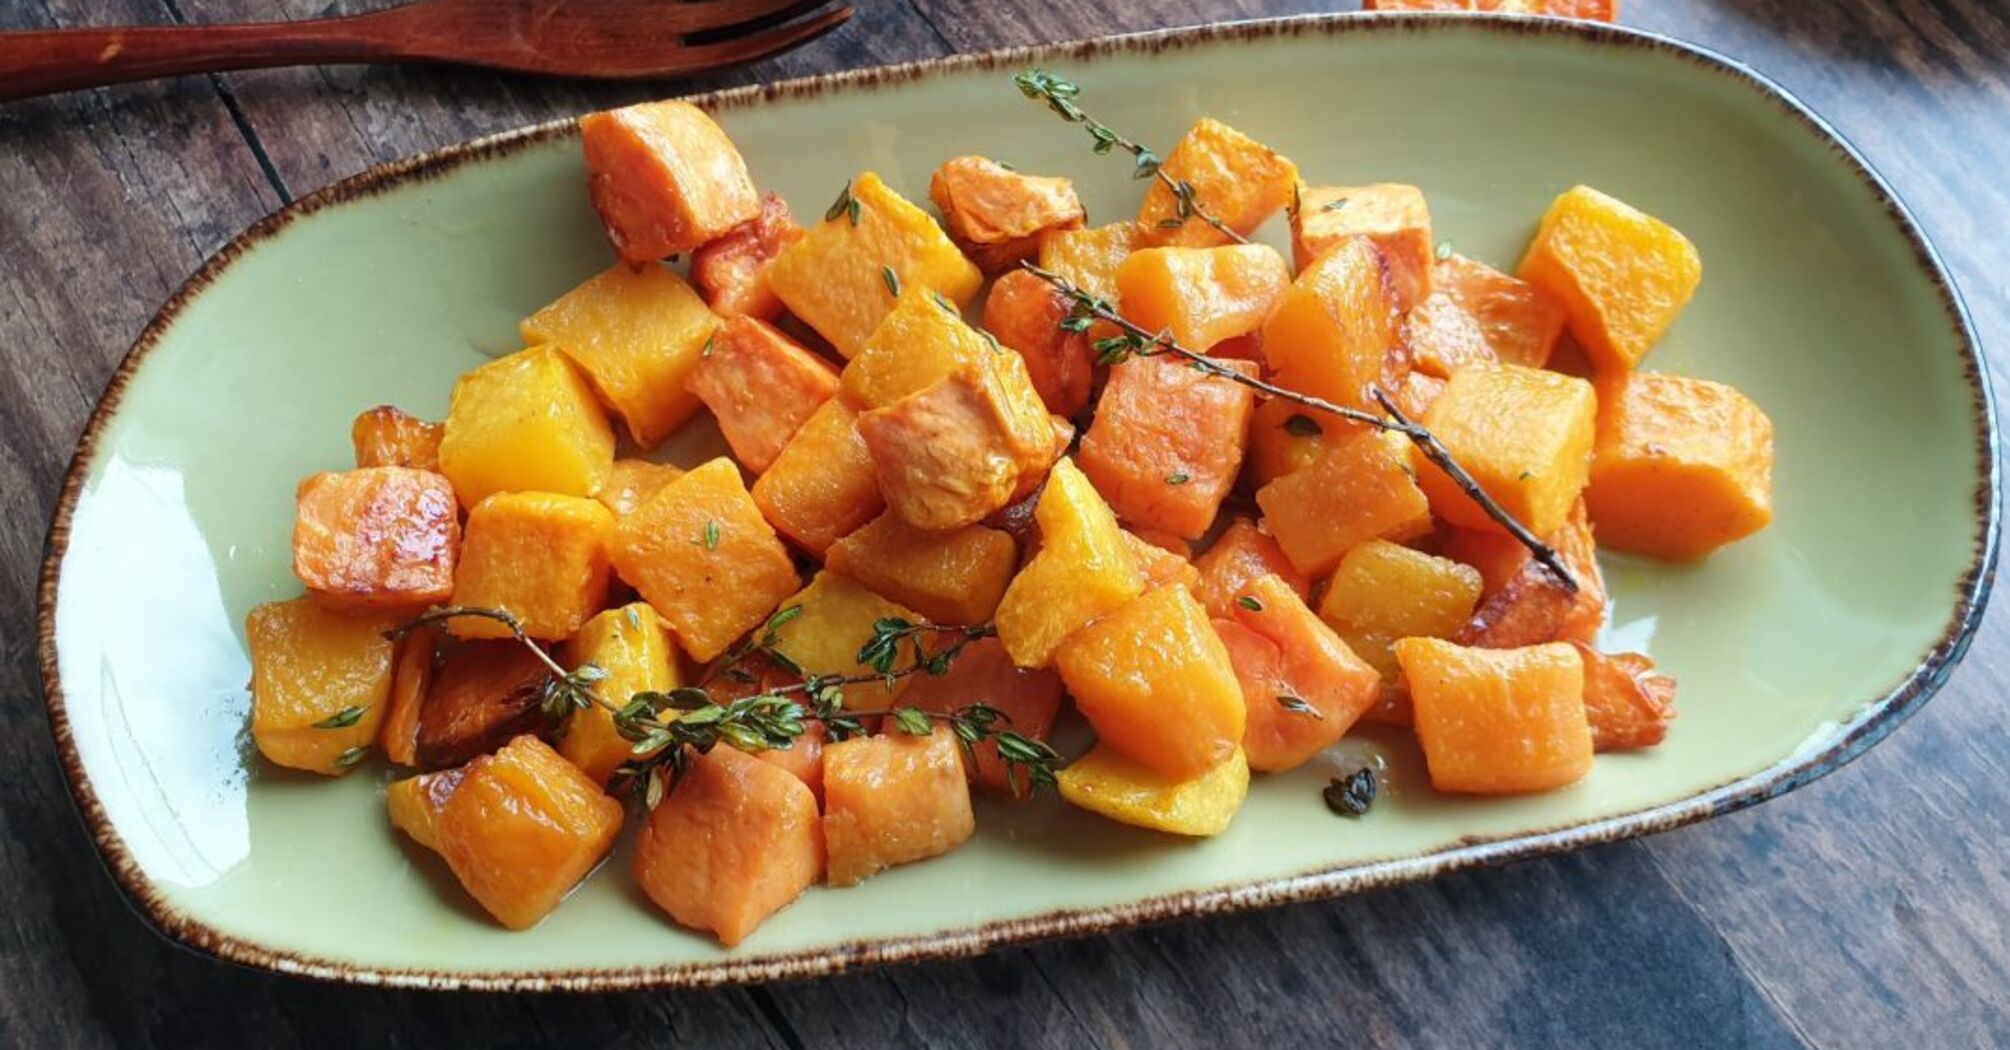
point(605, 39)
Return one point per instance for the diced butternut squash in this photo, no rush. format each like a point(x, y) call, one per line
point(482, 696)
point(632, 481)
point(834, 619)
point(1302, 685)
point(1442, 336)
point(1628, 703)
point(637, 335)
point(836, 277)
point(1242, 553)
point(1392, 215)
point(1520, 321)
point(1524, 435)
point(822, 487)
point(525, 423)
point(1084, 570)
point(1530, 609)
point(414, 804)
point(320, 683)
point(1090, 258)
point(1202, 295)
point(893, 799)
point(1622, 274)
point(1418, 393)
point(1155, 683)
point(1361, 490)
point(923, 341)
point(954, 577)
point(376, 539)
point(386, 437)
point(411, 678)
point(1498, 721)
point(702, 555)
point(1333, 334)
point(1285, 437)
point(523, 828)
point(983, 673)
point(803, 758)
point(1575, 545)
point(955, 452)
point(1682, 466)
point(1235, 179)
point(664, 178)
point(1110, 784)
point(540, 557)
point(998, 216)
point(630, 646)
point(762, 386)
point(1383, 592)
point(1025, 313)
point(731, 271)
point(736, 841)
point(1161, 566)
point(1167, 442)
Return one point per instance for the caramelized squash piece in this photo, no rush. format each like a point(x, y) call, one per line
point(525, 423)
point(1108, 783)
point(1025, 313)
point(411, 679)
point(1622, 274)
point(731, 271)
point(630, 646)
point(762, 386)
point(1302, 685)
point(997, 215)
point(1682, 466)
point(1383, 592)
point(822, 486)
point(319, 684)
point(1523, 434)
point(1628, 703)
point(386, 437)
point(1243, 553)
point(1520, 321)
point(1498, 721)
point(1156, 684)
point(631, 482)
point(376, 539)
point(834, 618)
point(637, 335)
point(1442, 336)
point(954, 577)
point(1361, 490)
point(893, 799)
point(955, 452)
point(483, 695)
point(1235, 179)
point(1392, 215)
point(983, 673)
point(1530, 609)
point(523, 828)
point(414, 804)
point(541, 557)
point(1203, 296)
point(1333, 333)
point(664, 178)
point(1083, 570)
point(1167, 442)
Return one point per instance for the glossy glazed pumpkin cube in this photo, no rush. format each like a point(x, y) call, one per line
point(1244, 552)
point(664, 178)
point(1161, 566)
point(997, 215)
point(411, 678)
point(482, 696)
point(1089, 258)
point(955, 452)
point(1530, 610)
point(731, 270)
point(1498, 721)
point(376, 539)
point(631, 646)
point(1285, 437)
point(1392, 215)
point(1520, 321)
point(1235, 179)
point(1155, 683)
point(893, 799)
point(983, 673)
point(822, 487)
point(1682, 466)
point(701, 553)
point(954, 577)
point(835, 277)
point(1333, 333)
point(1524, 434)
point(835, 619)
point(525, 423)
point(1303, 685)
point(1621, 274)
point(1167, 442)
point(636, 334)
point(1361, 490)
point(386, 437)
point(762, 386)
point(1442, 336)
point(1084, 570)
point(1627, 702)
point(541, 557)
point(1203, 296)
point(632, 481)
point(523, 828)
point(736, 841)
point(414, 804)
point(1025, 313)
point(1383, 592)
point(1110, 784)
point(320, 682)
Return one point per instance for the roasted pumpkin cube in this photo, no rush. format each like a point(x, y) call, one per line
point(1498, 721)
point(837, 277)
point(1520, 321)
point(1285, 437)
point(525, 423)
point(1333, 334)
point(893, 799)
point(637, 335)
point(632, 481)
point(1161, 566)
point(1622, 274)
point(523, 828)
point(1682, 466)
point(1025, 313)
point(983, 673)
point(1089, 257)
point(997, 215)
point(1523, 603)
point(921, 341)
point(1111, 784)
point(803, 758)
point(702, 555)
point(955, 452)
point(664, 178)
point(1303, 686)
point(411, 678)
point(1203, 296)
point(320, 683)
point(1525, 436)
point(1167, 442)
point(1392, 215)
point(948, 577)
point(1628, 703)
point(376, 539)
point(1530, 610)
point(386, 437)
point(762, 386)
point(834, 618)
point(1442, 336)
point(822, 486)
point(540, 557)
point(1383, 592)
point(482, 696)
point(1244, 552)
point(731, 270)
point(1235, 179)
point(1084, 570)
point(1361, 490)
point(1155, 683)
point(414, 804)
point(630, 646)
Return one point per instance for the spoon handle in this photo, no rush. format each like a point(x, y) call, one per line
point(41, 62)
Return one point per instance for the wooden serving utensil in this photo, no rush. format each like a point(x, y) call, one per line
point(604, 39)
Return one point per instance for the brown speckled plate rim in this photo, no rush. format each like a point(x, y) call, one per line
point(1877, 718)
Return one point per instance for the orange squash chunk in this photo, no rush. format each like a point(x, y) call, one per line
point(541, 557)
point(631, 482)
point(1520, 321)
point(1156, 684)
point(1090, 258)
point(637, 334)
point(1287, 662)
point(1203, 296)
point(1392, 215)
point(664, 178)
point(1025, 313)
point(1167, 442)
point(1237, 180)
point(1628, 703)
point(1523, 603)
point(1161, 566)
point(411, 677)
point(1084, 570)
point(1285, 437)
point(1359, 491)
point(1383, 592)
point(414, 804)
point(731, 271)
point(893, 799)
point(386, 437)
point(822, 487)
point(834, 618)
point(762, 386)
point(376, 539)
point(1682, 466)
point(925, 340)
point(1530, 609)
point(1442, 336)
point(998, 216)
point(1498, 721)
point(948, 577)
point(1334, 332)
point(802, 759)
point(1418, 393)
point(523, 828)
point(630, 646)
point(1242, 553)
point(319, 684)
point(835, 277)
point(483, 695)
point(525, 423)
point(983, 673)
point(702, 555)
point(957, 451)
point(1522, 433)
point(1621, 274)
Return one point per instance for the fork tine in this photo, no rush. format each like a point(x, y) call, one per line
point(725, 14)
point(764, 43)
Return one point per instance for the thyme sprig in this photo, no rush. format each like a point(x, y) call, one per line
point(1085, 308)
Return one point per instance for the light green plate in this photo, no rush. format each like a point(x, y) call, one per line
point(1795, 650)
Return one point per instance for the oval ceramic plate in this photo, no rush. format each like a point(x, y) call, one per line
point(1795, 650)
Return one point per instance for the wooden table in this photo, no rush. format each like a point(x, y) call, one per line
point(1874, 904)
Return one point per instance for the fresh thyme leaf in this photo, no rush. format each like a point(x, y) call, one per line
point(841, 205)
point(1352, 795)
point(852, 211)
point(711, 535)
point(634, 621)
point(707, 352)
point(653, 792)
point(343, 719)
point(892, 280)
point(1298, 705)
point(1334, 205)
point(912, 721)
point(943, 301)
point(350, 757)
point(782, 616)
point(1444, 250)
point(1301, 425)
point(589, 673)
point(1249, 603)
point(1178, 478)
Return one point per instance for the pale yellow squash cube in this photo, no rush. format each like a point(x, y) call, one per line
point(638, 335)
point(632, 647)
point(525, 423)
point(1108, 784)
